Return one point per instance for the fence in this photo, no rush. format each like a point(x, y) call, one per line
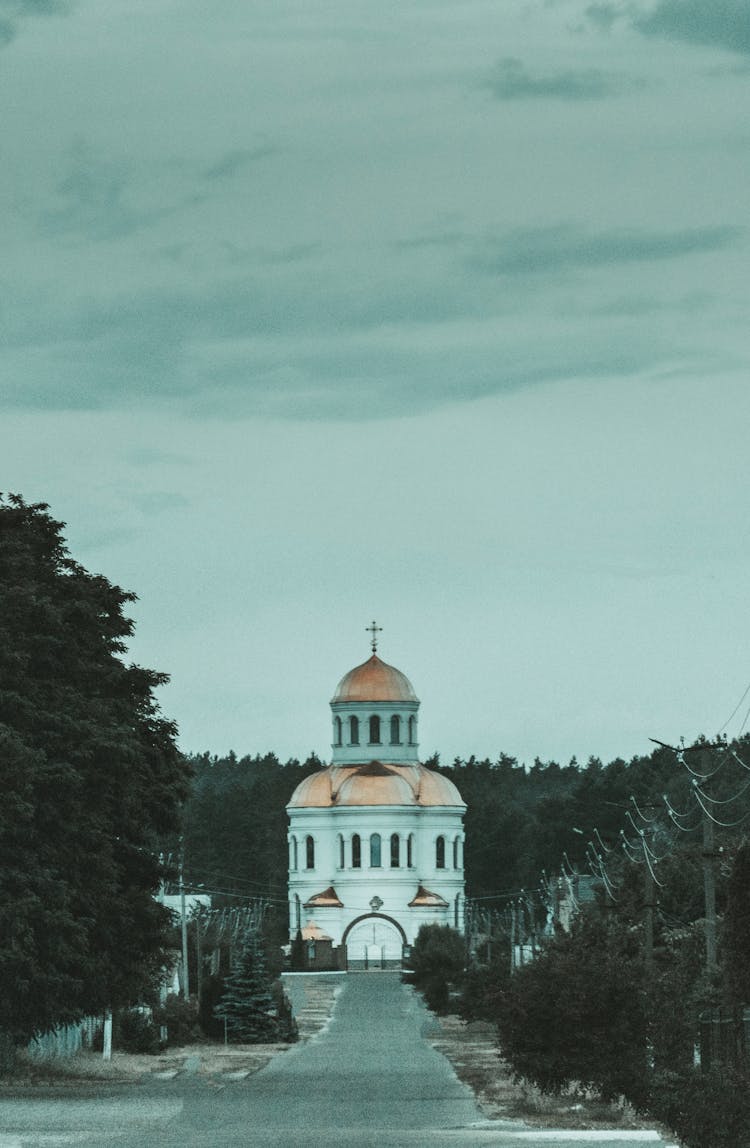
point(64, 1041)
point(724, 1037)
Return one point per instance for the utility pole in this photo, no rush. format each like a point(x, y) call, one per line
point(198, 955)
point(709, 876)
point(709, 847)
point(183, 927)
point(648, 918)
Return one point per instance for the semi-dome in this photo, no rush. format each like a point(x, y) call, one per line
point(374, 681)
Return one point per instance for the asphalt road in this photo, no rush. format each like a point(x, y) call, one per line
point(369, 1078)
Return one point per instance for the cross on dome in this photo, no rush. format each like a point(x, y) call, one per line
point(374, 630)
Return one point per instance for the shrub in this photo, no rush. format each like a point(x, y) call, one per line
point(437, 960)
point(180, 1017)
point(705, 1109)
point(136, 1032)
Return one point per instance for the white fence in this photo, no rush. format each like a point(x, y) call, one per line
point(64, 1041)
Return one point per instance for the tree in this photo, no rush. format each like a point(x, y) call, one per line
point(576, 1014)
point(737, 928)
point(247, 1004)
point(92, 778)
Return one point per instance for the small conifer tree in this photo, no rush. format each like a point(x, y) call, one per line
point(247, 1005)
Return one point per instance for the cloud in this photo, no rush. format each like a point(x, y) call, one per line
point(13, 12)
point(96, 197)
point(604, 15)
point(511, 80)
point(236, 160)
point(155, 502)
point(720, 23)
point(713, 23)
point(210, 355)
point(561, 248)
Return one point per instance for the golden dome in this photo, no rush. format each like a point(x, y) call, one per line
point(375, 784)
point(374, 681)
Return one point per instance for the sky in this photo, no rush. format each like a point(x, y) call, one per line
point(316, 312)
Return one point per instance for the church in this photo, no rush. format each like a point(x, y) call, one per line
point(375, 838)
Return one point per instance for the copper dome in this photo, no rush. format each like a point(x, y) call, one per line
point(374, 681)
point(375, 784)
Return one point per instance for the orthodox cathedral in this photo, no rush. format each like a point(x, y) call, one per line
point(375, 838)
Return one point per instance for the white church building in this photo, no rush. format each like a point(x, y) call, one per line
point(375, 838)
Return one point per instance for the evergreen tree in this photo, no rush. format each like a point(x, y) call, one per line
point(247, 1004)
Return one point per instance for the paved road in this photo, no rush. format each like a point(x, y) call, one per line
point(369, 1079)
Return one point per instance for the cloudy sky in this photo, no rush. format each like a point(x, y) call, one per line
point(434, 312)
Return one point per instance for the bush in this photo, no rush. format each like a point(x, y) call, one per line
point(705, 1109)
point(211, 994)
point(437, 960)
point(7, 1053)
point(180, 1017)
point(136, 1032)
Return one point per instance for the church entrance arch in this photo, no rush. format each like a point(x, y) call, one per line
point(374, 941)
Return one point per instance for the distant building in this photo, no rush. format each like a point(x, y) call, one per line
point(376, 840)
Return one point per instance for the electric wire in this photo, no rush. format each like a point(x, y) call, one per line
point(736, 708)
point(710, 816)
point(696, 773)
point(599, 839)
point(648, 820)
point(722, 800)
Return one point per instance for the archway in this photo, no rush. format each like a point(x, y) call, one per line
point(374, 941)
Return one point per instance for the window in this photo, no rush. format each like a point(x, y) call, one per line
point(341, 851)
point(353, 730)
point(412, 730)
point(395, 851)
point(337, 730)
point(455, 853)
point(410, 851)
point(356, 852)
point(375, 851)
point(440, 853)
point(374, 730)
point(293, 853)
point(395, 730)
point(309, 853)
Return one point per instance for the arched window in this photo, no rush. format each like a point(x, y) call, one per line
point(374, 730)
point(293, 853)
point(309, 853)
point(353, 730)
point(395, 851)
point(375, 851)
point(412, 730)
point(410, 851)
point(395, 730)
point(455, 853)
point(356, 851)
point(337, 730)
point(440, 853)
point(341, 851)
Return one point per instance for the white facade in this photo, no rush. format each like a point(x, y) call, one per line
point(375, 839)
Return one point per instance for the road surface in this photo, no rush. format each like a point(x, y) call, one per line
point(369, 1078)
